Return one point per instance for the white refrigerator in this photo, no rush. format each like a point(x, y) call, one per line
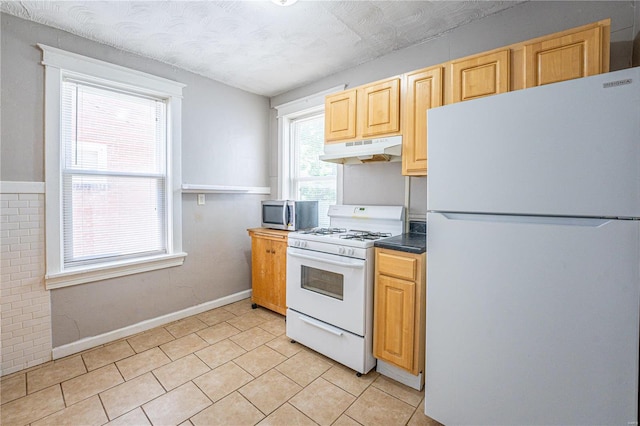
point(533, 245)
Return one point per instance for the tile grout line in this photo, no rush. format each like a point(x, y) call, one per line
point(261, 326)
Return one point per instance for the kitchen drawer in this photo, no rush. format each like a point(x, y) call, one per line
point(396, 265)
point(348, 349)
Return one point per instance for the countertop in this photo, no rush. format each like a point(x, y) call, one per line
point(268, 231)
point(414, 241)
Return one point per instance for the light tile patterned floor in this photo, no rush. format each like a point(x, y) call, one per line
point(228, 366)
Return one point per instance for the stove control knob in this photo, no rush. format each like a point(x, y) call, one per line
point(303, 244)
point(351, 252)
point(341, 250)
point(296, 243)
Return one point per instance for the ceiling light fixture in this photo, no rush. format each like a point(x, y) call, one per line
point(284, 2)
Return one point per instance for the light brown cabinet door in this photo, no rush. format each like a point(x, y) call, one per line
point(279, 273)
point(478, 76)
point(399, 309)
point(340, 116)
point(268, 272)
point(379, 108)
point(394, 321)
point(563, 58)
point(423, 91)
point(261, 271)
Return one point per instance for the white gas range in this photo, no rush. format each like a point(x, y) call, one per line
point(330, 282)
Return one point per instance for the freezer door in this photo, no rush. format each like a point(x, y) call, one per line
point(532, 321)
point(567, 149)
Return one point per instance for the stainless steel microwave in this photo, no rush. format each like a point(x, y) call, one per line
point(289, 215)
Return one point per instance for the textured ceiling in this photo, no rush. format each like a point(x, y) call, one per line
point(257, 46)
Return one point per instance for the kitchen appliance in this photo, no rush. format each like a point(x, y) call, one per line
point(330, 282)
point(365, 151)
point(533, 281)
point(289, 215)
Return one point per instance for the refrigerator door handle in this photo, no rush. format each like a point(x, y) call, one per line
point(533, 220)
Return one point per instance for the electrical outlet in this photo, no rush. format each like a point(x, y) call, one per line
point(201, 199)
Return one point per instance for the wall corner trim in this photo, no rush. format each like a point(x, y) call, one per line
point(17, 187)
point(110, 336)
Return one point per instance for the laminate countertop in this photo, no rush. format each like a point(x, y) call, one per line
point(414, 241)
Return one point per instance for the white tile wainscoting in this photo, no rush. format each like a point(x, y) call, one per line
point(25, 307)
point(25, 304)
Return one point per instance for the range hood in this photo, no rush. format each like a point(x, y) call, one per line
point(365, 151)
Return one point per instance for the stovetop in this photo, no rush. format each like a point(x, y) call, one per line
point(352, 228)
point(335, 237)
point(323, 231)
point(346, 234)
point(364, 235)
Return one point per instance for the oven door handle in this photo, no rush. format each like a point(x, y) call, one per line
point(330, 262)
point(321, 326)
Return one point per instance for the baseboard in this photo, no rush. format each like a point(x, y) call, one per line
point(400, 375)
point(101, 339)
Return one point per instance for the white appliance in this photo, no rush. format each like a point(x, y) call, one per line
point(330, 282)
point(534, 260)
point(364, 151)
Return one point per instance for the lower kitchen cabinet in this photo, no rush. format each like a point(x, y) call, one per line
point(268, 268)
point(400, 309)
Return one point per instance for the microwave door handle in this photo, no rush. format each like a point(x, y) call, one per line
point(285, 222)
point(330, 262)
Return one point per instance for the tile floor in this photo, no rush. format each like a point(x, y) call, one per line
point(229, 366)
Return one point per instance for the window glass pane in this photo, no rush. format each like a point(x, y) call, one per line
point(114, 180)
point(110, 217)
point(310, 145)
point(127, 130)
point(322, 190)
point(313, 179)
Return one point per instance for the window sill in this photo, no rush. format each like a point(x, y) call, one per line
point(112, 270)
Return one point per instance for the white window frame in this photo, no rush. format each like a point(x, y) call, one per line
point(60, 64)
point(288, 112)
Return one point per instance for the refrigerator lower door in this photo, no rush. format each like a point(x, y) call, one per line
point(532, 320)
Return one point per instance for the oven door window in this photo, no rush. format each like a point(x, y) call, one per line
point(323, 282)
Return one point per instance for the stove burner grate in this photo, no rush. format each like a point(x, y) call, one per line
point(364, 235)
point(324, 231)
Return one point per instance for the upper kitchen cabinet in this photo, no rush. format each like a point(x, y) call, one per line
point(564, 56)
point(479, 75)
point(574, 53)
point(368, 111)
point(340, 113)
point(423, 90)
point(380, 112)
